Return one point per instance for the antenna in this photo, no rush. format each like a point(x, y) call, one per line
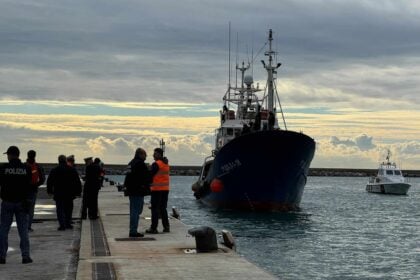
point(237, 58)
point(162, 145)
point(252, 60)
point(388, 156)
point(229, 63)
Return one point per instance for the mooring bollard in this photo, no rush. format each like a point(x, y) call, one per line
point(228, 239)
point(175, 213)
point(205, 239)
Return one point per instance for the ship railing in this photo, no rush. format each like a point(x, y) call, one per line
point(206, 166)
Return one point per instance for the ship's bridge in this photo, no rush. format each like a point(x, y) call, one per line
point(228, 131)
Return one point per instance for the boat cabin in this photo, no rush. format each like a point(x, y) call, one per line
point(388, 172)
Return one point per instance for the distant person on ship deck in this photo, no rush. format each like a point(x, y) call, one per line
point(224, 113)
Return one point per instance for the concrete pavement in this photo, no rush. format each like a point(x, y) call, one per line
point(101, 249)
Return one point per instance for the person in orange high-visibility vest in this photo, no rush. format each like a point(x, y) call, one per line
point(38, 178)
point(159, 191)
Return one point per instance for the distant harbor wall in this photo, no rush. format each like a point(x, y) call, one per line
point(347, 172)
point(184, 170)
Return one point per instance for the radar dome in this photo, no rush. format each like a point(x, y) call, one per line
point(248, 80)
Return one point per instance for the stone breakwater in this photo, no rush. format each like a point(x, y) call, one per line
point(181, 170)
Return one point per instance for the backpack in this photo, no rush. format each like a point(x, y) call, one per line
point(38, 177)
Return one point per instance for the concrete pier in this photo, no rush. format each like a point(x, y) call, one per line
point(101, 249)
point(55, 253)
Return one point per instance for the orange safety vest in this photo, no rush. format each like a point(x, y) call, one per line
point(161, 178)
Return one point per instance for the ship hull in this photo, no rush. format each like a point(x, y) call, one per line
point(260, 171)
point(388, 188)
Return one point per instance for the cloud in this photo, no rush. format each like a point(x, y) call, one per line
point(361, 152)
point(114, 138)
point(181, 150)
point(362, 142)
point(101, 144)
point(131, 51)
point(85, 76)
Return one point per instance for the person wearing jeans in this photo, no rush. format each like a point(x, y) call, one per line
point(136, 208)
point(15, 183)
point(8, 210)
point(137, 182)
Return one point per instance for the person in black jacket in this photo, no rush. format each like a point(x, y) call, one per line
point(137, 184)
point(37, 179)
point(64, 184)
point(15, 183)
point(93, 183)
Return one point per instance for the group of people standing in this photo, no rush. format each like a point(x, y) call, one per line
point(140, 181)
point(64, 185)
point(19, 184)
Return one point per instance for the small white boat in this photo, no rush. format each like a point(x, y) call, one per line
point(389, 180)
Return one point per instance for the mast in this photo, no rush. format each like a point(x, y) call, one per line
point(241, 105)
point(229, 68)
point(270, 72)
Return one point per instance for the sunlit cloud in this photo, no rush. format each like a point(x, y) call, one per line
point(342, 136)
point(131, 125)
point(348, 155)
point(87, 103)
point(362, 142)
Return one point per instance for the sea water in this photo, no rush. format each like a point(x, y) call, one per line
point(341, 231)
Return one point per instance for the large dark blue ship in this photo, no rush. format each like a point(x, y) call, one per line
point(256, 165)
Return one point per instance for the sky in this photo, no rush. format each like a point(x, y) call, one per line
point(101, 78)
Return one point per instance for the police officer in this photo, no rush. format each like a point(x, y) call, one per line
point(15, 183)
point(64, 183)
point(91, 188)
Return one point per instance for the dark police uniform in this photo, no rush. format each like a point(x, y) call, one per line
point(64, 183)
point(15, 183)
point(93, 183)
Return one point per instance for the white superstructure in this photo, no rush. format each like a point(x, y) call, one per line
point(389, 180)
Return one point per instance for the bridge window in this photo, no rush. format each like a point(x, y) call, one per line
point(389, 172)
point(397, 172)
